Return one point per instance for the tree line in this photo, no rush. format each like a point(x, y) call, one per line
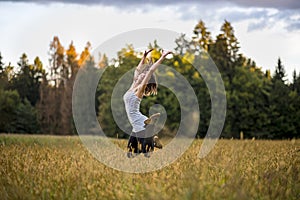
point(259, 104)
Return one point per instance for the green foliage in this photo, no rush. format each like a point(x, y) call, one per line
point(279, 74)
point(8, 107)
point(6, 73)
point(26, 121)
point(17, 116)
point(27, 80)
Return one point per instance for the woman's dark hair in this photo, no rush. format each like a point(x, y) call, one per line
point(151, 88)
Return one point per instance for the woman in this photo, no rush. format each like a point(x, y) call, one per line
point(144, 84)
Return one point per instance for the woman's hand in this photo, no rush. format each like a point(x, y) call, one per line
point(140, 65)
point(165, 53)
point(147, 52)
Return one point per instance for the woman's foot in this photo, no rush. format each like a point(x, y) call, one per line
point(147, 155)
point(129, 154)
point(152, 119)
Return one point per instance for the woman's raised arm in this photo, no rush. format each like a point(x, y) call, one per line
point(141, 89)
point(139, 67)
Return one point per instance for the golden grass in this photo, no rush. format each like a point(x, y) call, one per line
point(48, 167)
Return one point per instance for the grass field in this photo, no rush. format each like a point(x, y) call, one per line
point(49, 167)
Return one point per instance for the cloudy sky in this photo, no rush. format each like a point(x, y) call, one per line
point(265, 29)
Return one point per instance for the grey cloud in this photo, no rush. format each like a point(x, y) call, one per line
point(263, 19)
point(280, 4)
point(258, 25)
point(259, 18)
point(240, 15)
point(294, 26)
point(256, 10)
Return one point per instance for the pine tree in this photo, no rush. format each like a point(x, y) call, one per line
point(57, 61)
point(27, 79)
point(85, 54)
point(72, 67)
point(25, 83)
point(103, 61)
point(279, 72)
point(1, 64)
point(231, 40)
point(182, 45)
point(202, 37)
point(295, 86)
point(268, 74)
point(72, 61)
point(3, 77)
point(279, 104)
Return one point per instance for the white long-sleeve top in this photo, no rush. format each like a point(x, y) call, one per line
point(132, 107)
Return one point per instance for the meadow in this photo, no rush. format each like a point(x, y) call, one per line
point(60, 167)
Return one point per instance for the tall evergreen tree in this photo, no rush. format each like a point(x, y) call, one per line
point(1, 64)
point(279, 104)
point(57, 62)
point(103, 61)
point(224, 52)
point(72, 61)
point(85, 54)
point(280, 73)
point(202, 37)
point(3, 77)
point(231, 40)
point(72, 67)
point(182, 45)
point(295, 85)
point(27, 79)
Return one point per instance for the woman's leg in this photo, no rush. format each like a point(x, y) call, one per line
point(147, 142)
point(132, 144)
point(152, 119)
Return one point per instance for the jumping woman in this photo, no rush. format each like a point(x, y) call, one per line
point(144, 84)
